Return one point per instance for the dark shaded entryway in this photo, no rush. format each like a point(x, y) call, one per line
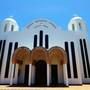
point(40, 73)
point(54, 74)
point(26, 76)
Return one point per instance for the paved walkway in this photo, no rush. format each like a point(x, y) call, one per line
point(83, 87)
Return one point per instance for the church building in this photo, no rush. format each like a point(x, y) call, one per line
point(43, 53)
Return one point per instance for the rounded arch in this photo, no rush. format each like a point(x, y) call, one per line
point(21, 54)
point(58, 53)
point(39, 53)
point(45, 23)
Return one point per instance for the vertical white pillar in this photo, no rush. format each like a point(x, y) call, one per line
point(49, 74)
point(12, 71)
point(48, 77)
point(30, 74)
point(16, 73)
point(65, 74)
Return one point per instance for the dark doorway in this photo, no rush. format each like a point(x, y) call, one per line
point(40, 73)
point(26, 76)
point(54, 74)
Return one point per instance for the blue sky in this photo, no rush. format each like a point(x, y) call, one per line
point(59, 11)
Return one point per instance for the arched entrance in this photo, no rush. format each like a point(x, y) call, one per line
point(40, 72)
point(21, 57)
point(42, 64)
point(39, 59)
point(58, 58)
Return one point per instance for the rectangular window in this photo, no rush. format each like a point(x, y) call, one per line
point(46, 41)
point(12, 27)
point(5, 28)
point(35, 41)
point(86, 55)
point(73, 27)
point(83, 58)
point(74, 60)
point(41, 39)
point(80, 26)
point(0, 45)
point(2, 54)
point(8, 60)
point(68, 62)
point(15, 47)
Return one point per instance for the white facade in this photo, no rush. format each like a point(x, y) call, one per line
point(76, 34)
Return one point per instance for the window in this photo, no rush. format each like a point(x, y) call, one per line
point(15, 47)
point(86, 55)
point(83, 58)
point(68, 62)
point(8, 60)
point(12, 27)
point(46, 41)
point(73, 59)
point(2, 54)
point(80, 27)
point(73, 27)
point(0, 45)
point(41, 39)
point(5, 28)
point(35, 41)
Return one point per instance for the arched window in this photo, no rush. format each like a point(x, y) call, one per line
point(46, 41)
point(41, 38)
point(2, 54)
point(73, 27)
point(8, 60)
point(5, 28)
point(15, 47)
point(74, 60)
point(0, 45)
point(83, 58)
point(80, 27)
point(35, 41)
point(86, 56)
point(12, 27)
point(68, 63)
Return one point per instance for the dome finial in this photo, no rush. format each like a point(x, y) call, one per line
point(75, 15)
point(11, 16)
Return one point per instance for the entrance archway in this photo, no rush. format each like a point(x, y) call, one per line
point(40, 72)
point(21, 56)
point(58, 58)
point(40, 59)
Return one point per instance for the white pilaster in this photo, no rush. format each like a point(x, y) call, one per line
point(16, 73)
point(78, 63)
point(11, 78)
point(65, 74)
point(48, 77)
point(30, 74)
